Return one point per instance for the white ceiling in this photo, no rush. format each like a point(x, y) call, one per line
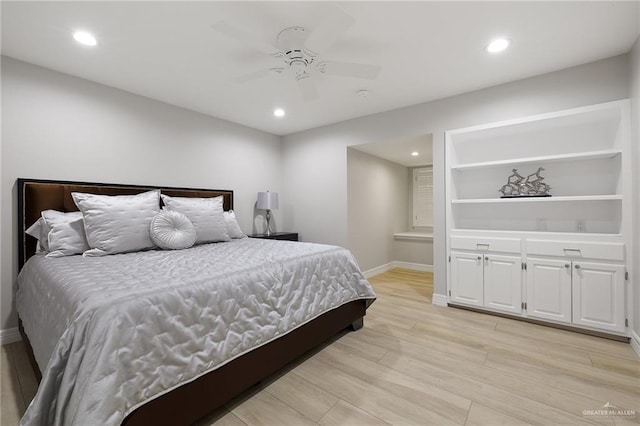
point(399, 151)
point(169, 51)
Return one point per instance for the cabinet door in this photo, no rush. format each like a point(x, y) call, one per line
point(598, 296)
point(503, 283)
point(549, 289)
point(466, 279)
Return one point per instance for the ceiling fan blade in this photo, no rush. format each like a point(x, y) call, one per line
point(329, 31)
point(307, 87)
point(246, 37)
point(257, 74)
point(349, 69)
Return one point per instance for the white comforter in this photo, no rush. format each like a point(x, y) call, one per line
point(110, 333)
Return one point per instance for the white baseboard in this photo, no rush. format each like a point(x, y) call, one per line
point(378, 270)
point(9, 335)
point(635, 343)
point(414, 266)
point(397, 264)
point(439, 300)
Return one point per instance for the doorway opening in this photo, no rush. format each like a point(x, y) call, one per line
point(390, 204)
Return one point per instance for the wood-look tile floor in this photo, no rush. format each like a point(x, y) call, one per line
point(415, 363)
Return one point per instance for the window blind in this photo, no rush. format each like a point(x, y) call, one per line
point(423, 196)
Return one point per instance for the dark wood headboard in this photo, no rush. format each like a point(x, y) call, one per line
point(36, 195)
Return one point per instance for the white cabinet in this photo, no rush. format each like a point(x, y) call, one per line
point(549, 289)
point(598, 295)
point(467, 278)
point(503, 283)
point(487, 280)
point(586, 294)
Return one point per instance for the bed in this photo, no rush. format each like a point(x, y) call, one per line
point(204, 330)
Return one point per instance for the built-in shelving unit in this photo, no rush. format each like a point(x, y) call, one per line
point(582, 152)
point(561, 258)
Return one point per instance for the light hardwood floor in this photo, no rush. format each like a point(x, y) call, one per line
point(415, 363)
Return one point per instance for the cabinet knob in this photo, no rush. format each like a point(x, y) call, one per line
point(566, 265)
point(486, 258)
point(577, 266)
point(479, 257)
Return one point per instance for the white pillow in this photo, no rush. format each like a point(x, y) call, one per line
point(40, 231)
point(117, 223)
point(172, 230)
point(206, 214)
point(66, 233)
point(232, 225)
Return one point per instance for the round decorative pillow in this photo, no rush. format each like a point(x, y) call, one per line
point(172, 230)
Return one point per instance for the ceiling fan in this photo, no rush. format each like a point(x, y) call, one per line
point(300, 51)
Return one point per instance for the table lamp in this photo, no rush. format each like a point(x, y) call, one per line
point(267, 201)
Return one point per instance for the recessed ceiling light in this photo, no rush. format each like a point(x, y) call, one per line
point(415, 153)
point(278, 112)
point(498, 45)
point(85, 38)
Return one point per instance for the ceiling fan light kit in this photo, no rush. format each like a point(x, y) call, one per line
point(300, 50)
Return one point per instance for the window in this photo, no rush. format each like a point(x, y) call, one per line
point(423, 196)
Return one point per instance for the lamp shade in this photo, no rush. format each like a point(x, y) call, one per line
point(267, 200)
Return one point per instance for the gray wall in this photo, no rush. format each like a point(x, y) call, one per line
point(634, 65)
point(378, 198)
point(414, 251)
point(379, 203)
point(56, 126)
point(315, 161)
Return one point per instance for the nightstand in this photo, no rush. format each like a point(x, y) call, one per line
point(289, 236)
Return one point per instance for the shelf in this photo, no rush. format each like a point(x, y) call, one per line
point(419, 236)
point(539, 199)
point(590, 155)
